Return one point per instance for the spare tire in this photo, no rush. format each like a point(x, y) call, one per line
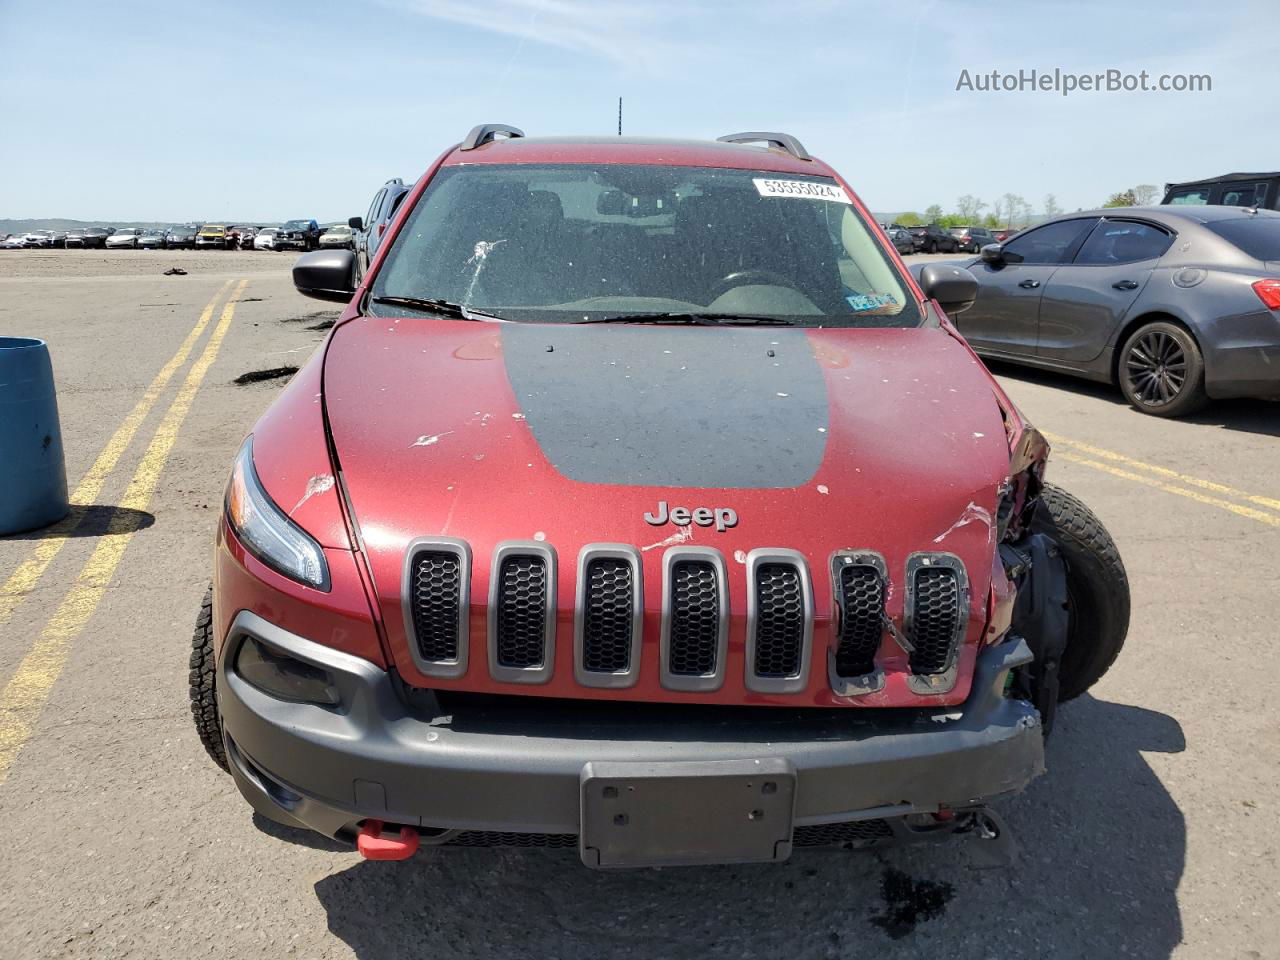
point(1097, 590)
point(204, 701)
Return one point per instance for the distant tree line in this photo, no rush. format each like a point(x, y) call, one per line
point(1011, 210)
point(1140, 196)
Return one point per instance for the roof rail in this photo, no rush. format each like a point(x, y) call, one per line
point(486, 132)
point(778, 141)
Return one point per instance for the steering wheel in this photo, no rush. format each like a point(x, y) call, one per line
point(742, 278)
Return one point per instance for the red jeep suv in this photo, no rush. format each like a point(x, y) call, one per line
point(640, 502)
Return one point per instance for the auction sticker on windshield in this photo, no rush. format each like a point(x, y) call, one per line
point(803, 189)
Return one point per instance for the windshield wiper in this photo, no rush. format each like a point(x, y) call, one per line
point(445, 308)
point(703, 319)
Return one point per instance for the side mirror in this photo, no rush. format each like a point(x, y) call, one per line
point(355, 223)
point(996, 255)
point(955, 288)
point(326, 275)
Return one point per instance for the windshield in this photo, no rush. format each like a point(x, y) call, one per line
point(338, 230)
point(295, 225)
point(574, 242)
point(127, 232)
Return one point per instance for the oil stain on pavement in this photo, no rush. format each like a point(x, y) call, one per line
point(909, 902)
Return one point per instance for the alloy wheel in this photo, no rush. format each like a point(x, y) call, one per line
point(1156, 368)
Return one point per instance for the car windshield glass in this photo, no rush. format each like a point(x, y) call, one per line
point(295, 225)
point(574, 242)
point(1258, 236)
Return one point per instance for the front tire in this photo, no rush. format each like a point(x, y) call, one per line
point(1161, 371)
point(204, 701)
point(1097, 590)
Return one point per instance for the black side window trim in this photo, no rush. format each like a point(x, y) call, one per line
point(1160, 228)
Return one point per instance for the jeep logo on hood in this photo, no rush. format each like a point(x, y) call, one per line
point(722, 517)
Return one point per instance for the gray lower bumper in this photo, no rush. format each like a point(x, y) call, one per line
point(329, 768)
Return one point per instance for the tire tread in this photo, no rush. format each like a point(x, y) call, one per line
point(204, 702)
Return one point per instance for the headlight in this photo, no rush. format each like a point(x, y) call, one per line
point(265, 530)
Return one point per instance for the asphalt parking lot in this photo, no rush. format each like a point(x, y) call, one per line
point(1149, 837)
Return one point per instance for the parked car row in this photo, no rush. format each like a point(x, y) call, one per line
point(300, 235)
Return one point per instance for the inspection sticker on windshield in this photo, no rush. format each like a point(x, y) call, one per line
point(802, 189)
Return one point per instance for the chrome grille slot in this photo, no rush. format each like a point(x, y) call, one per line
point(695, 622)
point(609, 616)
point(859, 584)
point(522, 612)
point(779, 621)
point(606, 641)
point(522, 600)
point(936, 612)
point(435, 594)
point(437, 583)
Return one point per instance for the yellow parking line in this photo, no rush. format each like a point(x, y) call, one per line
point(24, 579)
point(27, 690)
point(1260, 516)
point(1222, 488)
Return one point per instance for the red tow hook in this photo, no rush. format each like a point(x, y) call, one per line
point(373, 846)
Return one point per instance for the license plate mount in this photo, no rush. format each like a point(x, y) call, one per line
point(686, 812)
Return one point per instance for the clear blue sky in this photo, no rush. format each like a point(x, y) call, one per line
point(154, 110)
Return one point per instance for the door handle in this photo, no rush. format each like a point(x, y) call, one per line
point(1126, 285)
point(1029, 284)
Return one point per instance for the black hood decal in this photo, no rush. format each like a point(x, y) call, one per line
point(671, 406)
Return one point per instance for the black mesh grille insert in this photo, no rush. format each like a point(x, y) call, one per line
point(934, 617)
point(851, 831)
point(496, 838)
point(436, 591)
point(521, 613)
point(695, 618)
point(606, 619)
point(861, 598)
point(779, 620)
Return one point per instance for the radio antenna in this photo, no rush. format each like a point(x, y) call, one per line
point(619, 116)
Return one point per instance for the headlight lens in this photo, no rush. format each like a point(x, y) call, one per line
point(265, 530)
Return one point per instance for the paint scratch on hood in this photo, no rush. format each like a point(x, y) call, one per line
point(428, 441)
point(683, 535)
point(971, 513)
point(320, 483)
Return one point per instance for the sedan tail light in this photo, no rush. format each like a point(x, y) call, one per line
point(1268, 292)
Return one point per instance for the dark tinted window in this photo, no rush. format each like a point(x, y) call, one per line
point(1244, 195)
point(1051, 243)
point(1258, 237)
point(1123, 241)
point(1191, 195)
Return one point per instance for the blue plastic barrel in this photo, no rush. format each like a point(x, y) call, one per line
point(33, 474)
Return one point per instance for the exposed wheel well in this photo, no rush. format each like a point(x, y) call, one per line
point(1154, 317)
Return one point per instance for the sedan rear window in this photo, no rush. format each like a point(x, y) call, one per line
point(1258, 237)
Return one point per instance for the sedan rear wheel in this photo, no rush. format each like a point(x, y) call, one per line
point(1162, 371)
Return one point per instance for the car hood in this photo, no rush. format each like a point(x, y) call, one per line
point(818, 440)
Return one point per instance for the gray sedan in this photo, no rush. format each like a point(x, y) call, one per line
point(1174, 305)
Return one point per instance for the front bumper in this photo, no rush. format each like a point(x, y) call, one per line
point(376, 757)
